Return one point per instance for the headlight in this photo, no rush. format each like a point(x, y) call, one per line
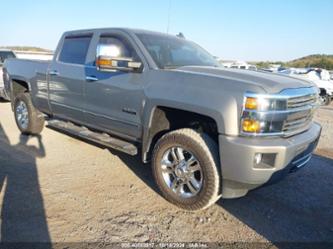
point(256, 112)
point(280, 114)
point(264, 103)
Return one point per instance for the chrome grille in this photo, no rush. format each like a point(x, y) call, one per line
point(301, 113)
point(298, 102)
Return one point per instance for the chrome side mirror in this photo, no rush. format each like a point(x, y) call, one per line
point(109, 58)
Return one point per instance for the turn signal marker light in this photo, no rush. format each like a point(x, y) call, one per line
point(250, 125)
point(251, 103)
point(104, 62)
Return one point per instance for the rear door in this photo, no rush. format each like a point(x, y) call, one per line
point(67, 77)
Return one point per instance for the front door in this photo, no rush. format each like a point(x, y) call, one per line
point(114, 100)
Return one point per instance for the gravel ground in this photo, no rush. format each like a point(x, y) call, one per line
point(57, 188)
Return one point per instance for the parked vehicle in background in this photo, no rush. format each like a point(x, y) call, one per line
point(4, 54)
point(246, 66)
point(238, 65)
point(273, 68)
point(331, 74)
point(208, 131)
point(318, 76)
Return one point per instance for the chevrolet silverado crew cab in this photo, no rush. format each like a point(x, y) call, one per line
point(208, 132)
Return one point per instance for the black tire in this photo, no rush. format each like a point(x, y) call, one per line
point(35, 123)
point(206, 152)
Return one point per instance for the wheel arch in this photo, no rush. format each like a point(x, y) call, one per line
point(163, 118)
point(17, 86)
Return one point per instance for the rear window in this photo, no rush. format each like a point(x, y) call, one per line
point(75, 49)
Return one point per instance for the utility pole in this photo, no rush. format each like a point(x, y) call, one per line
point(169, 15)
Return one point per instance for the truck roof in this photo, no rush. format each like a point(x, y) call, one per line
point(126, 30)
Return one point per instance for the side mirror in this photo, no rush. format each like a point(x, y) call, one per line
point(109, 59)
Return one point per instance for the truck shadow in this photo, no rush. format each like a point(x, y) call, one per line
point(297, 209)
point(23, 216)
point(141, 170)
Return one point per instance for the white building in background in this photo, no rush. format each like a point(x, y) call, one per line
point(238, 64)
point(32, 55)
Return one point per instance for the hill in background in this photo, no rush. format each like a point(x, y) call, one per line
point(317, 60)
point(322, 61)
point(27, 48)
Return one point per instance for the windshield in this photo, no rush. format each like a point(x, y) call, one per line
point(173, 52)
point(6, 55)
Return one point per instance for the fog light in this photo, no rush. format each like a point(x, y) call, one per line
point(257, 158)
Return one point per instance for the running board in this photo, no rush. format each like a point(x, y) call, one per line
point(99, 138)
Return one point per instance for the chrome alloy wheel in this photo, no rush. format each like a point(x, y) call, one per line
point(182, 172)
point(22, 115)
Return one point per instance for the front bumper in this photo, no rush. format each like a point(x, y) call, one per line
point(240, 174)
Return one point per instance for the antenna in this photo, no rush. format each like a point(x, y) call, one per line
point(169, 14)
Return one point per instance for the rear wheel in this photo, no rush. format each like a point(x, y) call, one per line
point(185, 167)
point(28, 119)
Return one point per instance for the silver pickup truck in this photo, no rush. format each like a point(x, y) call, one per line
point(209, 132)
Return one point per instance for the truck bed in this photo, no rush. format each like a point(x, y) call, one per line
point(27, 69)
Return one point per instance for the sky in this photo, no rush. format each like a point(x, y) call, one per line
point(250, 30)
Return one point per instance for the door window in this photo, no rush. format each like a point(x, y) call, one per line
point(75, 49)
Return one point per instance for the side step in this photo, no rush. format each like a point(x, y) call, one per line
point(99, 138)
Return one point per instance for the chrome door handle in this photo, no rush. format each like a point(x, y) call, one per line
point(54, 73)
point(91, 78)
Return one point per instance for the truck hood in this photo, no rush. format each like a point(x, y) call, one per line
point(270, 82)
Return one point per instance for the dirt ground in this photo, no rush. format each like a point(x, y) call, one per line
point(57, 188)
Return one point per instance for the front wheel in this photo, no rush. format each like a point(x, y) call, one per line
point(28, 119)
point(185, 167)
